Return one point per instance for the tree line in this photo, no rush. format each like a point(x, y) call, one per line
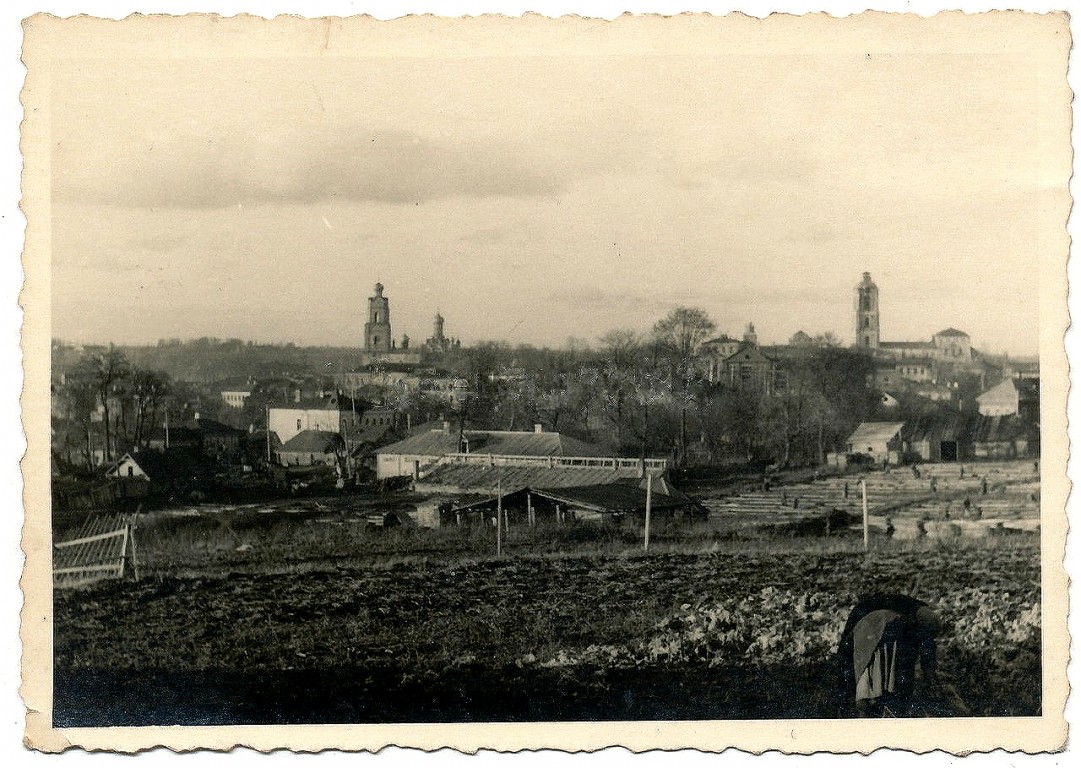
point(650, 394)
point(638, 394)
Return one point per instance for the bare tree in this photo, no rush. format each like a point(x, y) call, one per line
point(107, 370)
point(683, 330)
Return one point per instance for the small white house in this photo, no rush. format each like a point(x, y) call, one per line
point(881, 440)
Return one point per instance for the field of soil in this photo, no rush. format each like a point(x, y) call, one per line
point(742, 631)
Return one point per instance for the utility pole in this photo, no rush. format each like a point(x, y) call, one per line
point(499, 518)
point(866, 530)
point(268, 437)
point(649, 506)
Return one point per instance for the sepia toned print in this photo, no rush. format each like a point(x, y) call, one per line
point(514, 383)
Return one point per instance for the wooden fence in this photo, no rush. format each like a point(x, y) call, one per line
point(103, 549)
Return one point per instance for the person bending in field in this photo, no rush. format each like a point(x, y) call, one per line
point(886, 635)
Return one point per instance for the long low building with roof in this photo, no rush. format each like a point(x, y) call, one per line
point(463, 476)
point(608, 502)
point(448, 460)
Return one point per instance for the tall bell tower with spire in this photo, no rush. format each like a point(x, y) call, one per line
point(377, 336)
point(867, 330)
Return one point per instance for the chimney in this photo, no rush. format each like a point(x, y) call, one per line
point(296, 395)
point(538, 428)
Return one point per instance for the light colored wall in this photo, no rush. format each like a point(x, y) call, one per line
point(283, 421)
point(122, 469)
point(398, 465)
point(1000, 400)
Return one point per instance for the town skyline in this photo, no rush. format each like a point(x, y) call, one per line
point(418, 339)
point(530, 199)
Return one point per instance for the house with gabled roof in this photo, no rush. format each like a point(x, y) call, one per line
point(333, 412)
point(312, 446)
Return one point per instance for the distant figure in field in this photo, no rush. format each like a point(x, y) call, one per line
point(934, 485)
point(968, 504)
point(886, 635)
point(1036, 466)
point(846, 490)
point(916, 471)
point(983, 486)
point(962, 471)
point(890, 530)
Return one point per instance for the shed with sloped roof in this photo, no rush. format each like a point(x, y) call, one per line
point(880, 440)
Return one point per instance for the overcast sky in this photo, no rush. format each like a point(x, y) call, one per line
point(535, 198)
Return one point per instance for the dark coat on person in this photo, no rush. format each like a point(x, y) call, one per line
point(854, 653)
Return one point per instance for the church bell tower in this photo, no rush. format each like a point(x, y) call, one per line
point(377, 336)
point(867, 332)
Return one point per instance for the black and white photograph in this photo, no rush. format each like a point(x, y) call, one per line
point(534, 371)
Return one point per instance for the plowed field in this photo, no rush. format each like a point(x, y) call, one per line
point(738, 634)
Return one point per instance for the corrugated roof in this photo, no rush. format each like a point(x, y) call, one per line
point(993, 429)
point(875, 431)
point(483, 477)
point(937, 422)
point(609, 497)
point(436, 442)
point(313, 441)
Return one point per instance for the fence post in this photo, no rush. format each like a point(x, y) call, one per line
point(134, 554)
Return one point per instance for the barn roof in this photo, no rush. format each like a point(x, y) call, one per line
point(876, 431)
point(951, 331)
point(993, 429)
point(938, 422)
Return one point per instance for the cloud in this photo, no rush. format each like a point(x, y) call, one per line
point(182, 170)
